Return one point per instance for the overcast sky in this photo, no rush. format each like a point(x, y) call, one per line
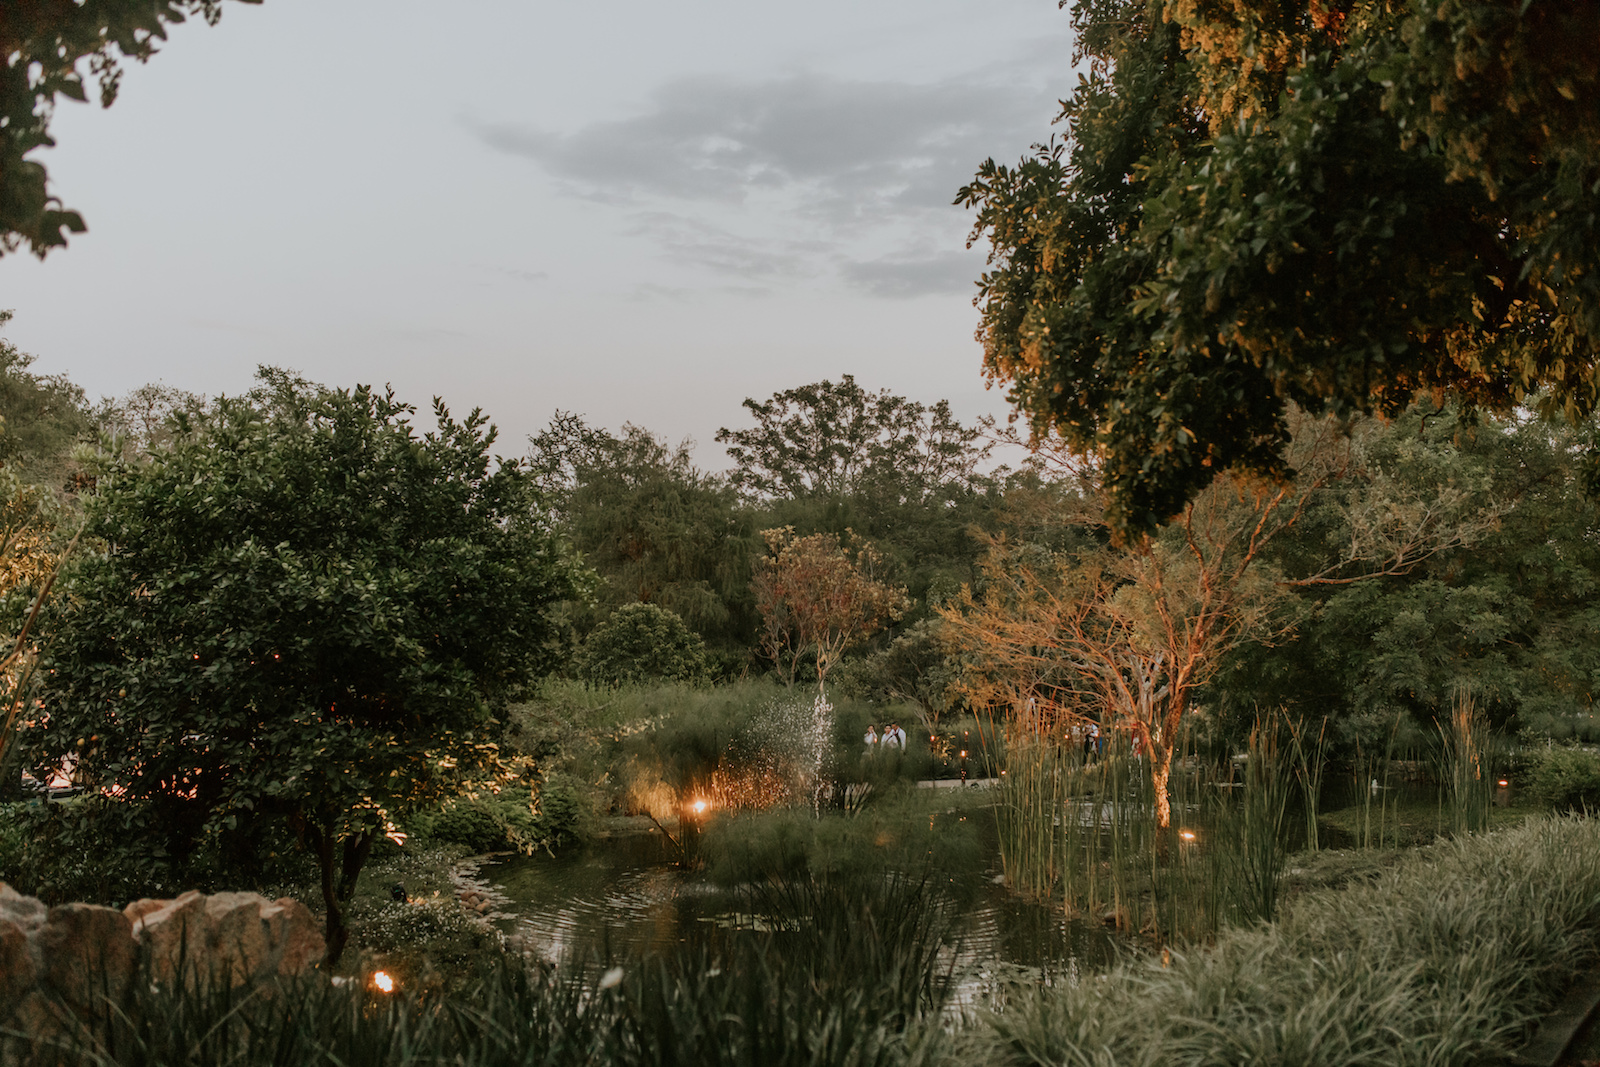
point(643, 212)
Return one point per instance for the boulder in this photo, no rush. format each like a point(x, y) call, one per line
point(76, 954)
point(85, 952)
point(232, 937)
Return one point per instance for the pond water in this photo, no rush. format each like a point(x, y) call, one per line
point(623, 895)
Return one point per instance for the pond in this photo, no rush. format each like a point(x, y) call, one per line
point(623, 895)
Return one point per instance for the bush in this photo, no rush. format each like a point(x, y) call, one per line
point(509, 819)
point(641, 643)
point(1564, 779)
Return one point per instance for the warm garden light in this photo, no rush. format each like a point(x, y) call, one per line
point(1187, 835)
point(383, 981)
point(700, 807)
point(1504, 783)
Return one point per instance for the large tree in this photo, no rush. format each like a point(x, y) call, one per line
point(1260, 203)
point(45, 46)
point(300, 608)
point(657, 529)
point(1131, 634)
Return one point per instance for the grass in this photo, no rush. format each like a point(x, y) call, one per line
point(848, 974)
point(1442, 955)
point(1446, 957)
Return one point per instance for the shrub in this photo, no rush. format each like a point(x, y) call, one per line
point(1564, 779)
point(640, 643)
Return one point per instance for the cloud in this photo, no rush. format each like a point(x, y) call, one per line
point(943, 272)
point(849, 149)
point(800, 176)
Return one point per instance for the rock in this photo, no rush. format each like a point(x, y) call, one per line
point(86, 952)
point(299, 941)
point(68, 958)
point(171, 931)
point(17, 971)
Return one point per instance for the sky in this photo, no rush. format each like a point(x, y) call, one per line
point(641, 212)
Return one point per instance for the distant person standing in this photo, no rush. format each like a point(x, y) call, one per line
point(1091, 740)
point(894, 737)
point(872, 739)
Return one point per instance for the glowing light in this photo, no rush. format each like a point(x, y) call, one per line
point(1504, 783)
point(963, 753)
point(700, 807)
point(1187, 835)
point(383, 981)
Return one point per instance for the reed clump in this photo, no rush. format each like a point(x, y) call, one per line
point(1447, 958)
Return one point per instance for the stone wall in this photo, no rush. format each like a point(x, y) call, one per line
point(76, 954)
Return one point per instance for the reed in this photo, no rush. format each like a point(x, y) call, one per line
point(1310, 762)
point(1445, 958)
point(1468, 779)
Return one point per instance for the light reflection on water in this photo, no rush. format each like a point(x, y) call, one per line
point(622, 896)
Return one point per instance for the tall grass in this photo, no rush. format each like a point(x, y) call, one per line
point(1468, 779)
point(845, 970)
point(1445, 959)
point(1082, 831)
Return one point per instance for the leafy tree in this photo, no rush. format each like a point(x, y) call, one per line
point(657, 529)
point(1511, 620)
point(639, 643)
point(304, 609)
point(1131, 634)
point(818, 598)
point(835, 440)
point(44, 417)
point(144, 421)
point(914, 667)
point(1260, 204)
point(44, 45)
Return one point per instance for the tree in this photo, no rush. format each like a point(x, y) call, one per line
point(640, 643)
point(300, 609)
point(837, 440)
point(818, 598)
point(42, 417)
point(1510, 620)
point(44, 45)
point(657, 529)
point(1130, 634)
point(1260, 205)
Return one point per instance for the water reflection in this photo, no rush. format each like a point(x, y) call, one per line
point(622, 896)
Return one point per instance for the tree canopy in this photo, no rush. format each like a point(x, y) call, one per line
point(301, 608)
point(44, 47)
point(1259, 204)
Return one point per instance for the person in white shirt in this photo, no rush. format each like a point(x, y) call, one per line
point(894, 737)
point(872, 739)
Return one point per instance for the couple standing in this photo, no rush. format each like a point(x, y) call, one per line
point(893, 737)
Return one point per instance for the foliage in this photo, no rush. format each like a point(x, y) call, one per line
point(1131, 634)
point(915, 667)
point(1565, 778)
point(302, 609)
point(1447, 957)
point(1256, 206)
point(838, 440)
point(44, 47)
point(506, 818)
point(658, 530)
point(818, 598)
point(44, 417)
point(1510, 615)
point(642, 643)
point(846, 974)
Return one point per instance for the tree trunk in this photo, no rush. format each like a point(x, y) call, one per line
point(1160, 777)
point(335, 933)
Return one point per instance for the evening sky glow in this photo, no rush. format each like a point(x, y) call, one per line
point(643, 212)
